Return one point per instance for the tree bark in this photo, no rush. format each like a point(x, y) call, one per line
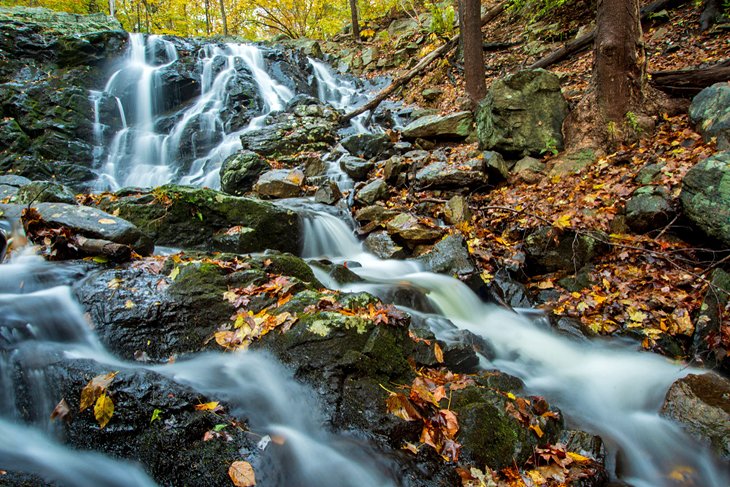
point(422, 64)
point(355, 21)
point(223, 18)
point(471, 34)
point(689, 82)
point(711, 11)
point(207, 17)
point(619, 63)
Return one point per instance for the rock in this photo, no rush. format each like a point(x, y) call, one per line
point(367, 145)
point(395, 171)
point(529, 170)
point(701, 404)
point(454, 126)
point(12, 138)
point(382, 245)
point(355, 167)
point(456, 210)
point(404, 27)
point(280, 183)
point(14, 180)
point(449, 256)
point(522, 114)
point(410, 229)
point(374, 213)
point(506, 291)
point(375, 190)
point(442, 175)
point(187, 217)
point(709, 323)
point(571, 163)
point(705, 196)
point(60, 23)
point(431, 94)
point(240, 172)
point(495, 166)
point(549, 250)
point(710, 113)
point(649, 208)
point(369, 55)
point(94, 223)
point(45, 192)
point(329, 193)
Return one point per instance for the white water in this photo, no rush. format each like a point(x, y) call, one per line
point(610, 390)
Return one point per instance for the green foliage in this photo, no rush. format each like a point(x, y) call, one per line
point(443, 18)
point(534, 9)
point(632, 121)
point(551, 147)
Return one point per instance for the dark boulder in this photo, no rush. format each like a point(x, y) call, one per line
point(367, 146)
point(240, 171)
point(550, 250)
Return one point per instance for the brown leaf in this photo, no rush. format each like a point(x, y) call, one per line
point(61, 411)
point(242, 474)
point(95, 388)
point(399, 405)
point(451, 424)
point(438, 353)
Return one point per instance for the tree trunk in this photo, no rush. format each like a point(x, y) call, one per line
point(139, 20)
point(711, 11)
point(473, 53)
point(355, 21)
point(223, 18)
point(207, 17)
point(112, 8)
point(619, 64)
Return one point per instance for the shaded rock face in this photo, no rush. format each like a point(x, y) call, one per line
point(710, 112)
point(382, 245)
point(280, 183)
point(649, 208)
point(367, 146)
point(550, 251)
point(240, 172)
point(449, 256)
point(162, 446)
point(522, 114)
point(45, 192)
point(50, 60)
point(187, 217)
point(375, 190)
point(705, 196)
point(454, 126)
point(701, 404)
point(356, 167)
point(709, 322)
point(442, 175)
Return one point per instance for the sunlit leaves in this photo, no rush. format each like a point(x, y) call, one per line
point(242, 474)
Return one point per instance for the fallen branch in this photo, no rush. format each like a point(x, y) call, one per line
point(586, 40)
point(422, 64)
point(689, 82)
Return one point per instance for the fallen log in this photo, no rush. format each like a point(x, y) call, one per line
point(97, 247)
point(577, 45)
point(422, 64)
point(689, 82)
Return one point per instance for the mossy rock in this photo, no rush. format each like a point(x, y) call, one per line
point(705, 196)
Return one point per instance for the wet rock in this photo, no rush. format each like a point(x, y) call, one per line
point(456, 210)
point(454, 126)
point(408, 227)
point(94, 223)
point(549, 251)
point(12, 138)
point(709, 322)
point(162, 445)
point(449, 256)
point(505, 290)
point(442, 175)
point(705, 196)
point(240, 172)
point(187, 217)
point(280, 183)
point(382, 245)
point(522, 114)
point(395, 171)
point(356, 167)
point(45, 192)
point(329, 193)
point(701, 404)
point(489, 434)
point(367, 145)
point(710, 112)
point(529, 170)
point(649, 208)
point(375, 190)
point(374, 213)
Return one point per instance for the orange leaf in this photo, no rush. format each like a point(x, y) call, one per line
point(438, 353)
point(207, 406)
point(399, 405)
point(452, 425)
point(242, 474)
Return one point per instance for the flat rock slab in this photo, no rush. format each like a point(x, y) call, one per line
point(454, 126)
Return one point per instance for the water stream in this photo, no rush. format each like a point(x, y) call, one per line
point(601, 386)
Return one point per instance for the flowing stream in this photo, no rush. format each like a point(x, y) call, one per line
point(602, 386)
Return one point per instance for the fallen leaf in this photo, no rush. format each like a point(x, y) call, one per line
point(95, 387)
point(438, 353)
point(61, 411)
point(207, 406)
point(242, 474)
point(103, 410)
point(399, 405)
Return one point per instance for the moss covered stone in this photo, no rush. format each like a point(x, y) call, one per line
point(705, 196)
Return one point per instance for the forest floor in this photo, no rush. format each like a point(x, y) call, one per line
point(647, 286)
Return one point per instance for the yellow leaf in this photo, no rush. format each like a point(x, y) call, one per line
point(242, 474)
point(129, 304)
point(682, 474)
point(94, 389)
point(438, 353)
point(208, 406)
point(577, 458)
point(636, 315)
point(174, 273)
point(537, 430)
point(562, 221)
point(103, 410)
point(545, 284)
point(511, 396)
point(399, 405)
point(114, 283)
point(107, 221)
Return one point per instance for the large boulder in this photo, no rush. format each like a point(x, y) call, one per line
point(443, 175)
point(550, 250)
point(240, 172)
point(450, 256)
point(383, 246)
point(45, 192)
point(183, 216)
point(710, 113)
point(375, 190)
point(356, 167)
point(522, 114)
point(649, 208)
point(409, 228)
point(280, 183)
point(367, 145)
point(701, 404)
point(705, 196)
point(453, 126)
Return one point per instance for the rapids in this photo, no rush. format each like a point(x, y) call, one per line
point(602, 386)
